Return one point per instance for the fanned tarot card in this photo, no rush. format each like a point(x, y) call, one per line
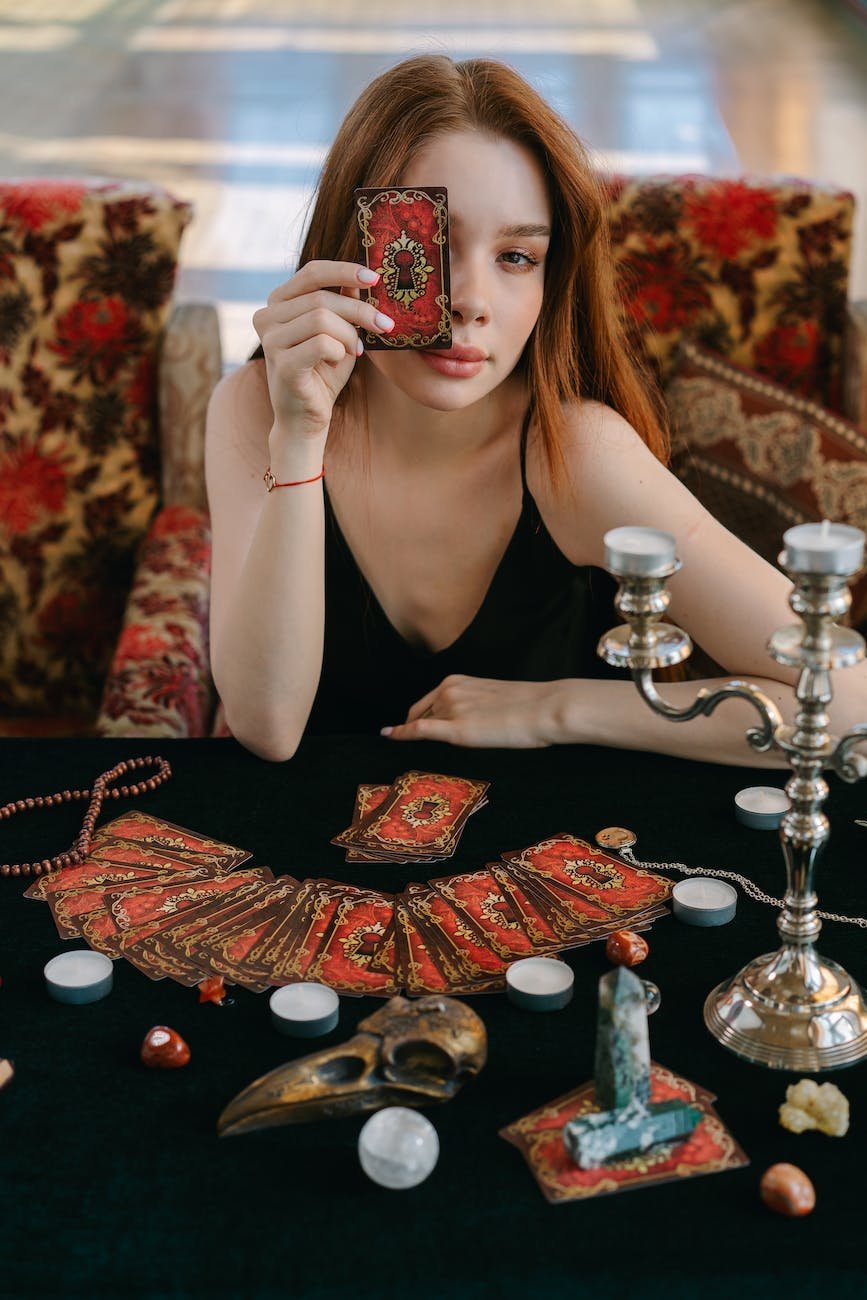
point(403, 235)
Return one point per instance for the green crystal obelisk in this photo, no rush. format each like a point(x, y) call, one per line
point(622, 1066)
point(627, 1120)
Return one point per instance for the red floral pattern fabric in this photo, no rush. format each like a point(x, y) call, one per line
point(86, 276)
point(159, 682)
point(755, 270)
point(762, 459)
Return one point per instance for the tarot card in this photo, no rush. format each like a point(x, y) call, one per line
point(358, 928)
point(203, 925)
point(421, 818)
point(165, 835)
point(69, 906)
point(592, 874)
point(416, 968)
point(367, 800)
point(184, 942)
point(540, 933)
point(467, 962)
point(403, 235)
point(140, 914)
point(241, 954)
point(225, 942)
point(574, 918)
point(709, 1149)
point(143, 947)
point(266, 952)
point(313, 922)
point(477, 897)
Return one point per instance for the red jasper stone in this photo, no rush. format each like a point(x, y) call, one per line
point(212, 989)
point(164, 1049)
point(626, 948)
point(787, 1190)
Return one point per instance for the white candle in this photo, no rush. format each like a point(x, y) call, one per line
point(540, 983)
point(761, 806)
point(79, 977)
point(823, 548)
point(702, 900)
point(304, 1010)
point(638, 552)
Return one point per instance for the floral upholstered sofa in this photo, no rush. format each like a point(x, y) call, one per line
point(735, 293)
point(103, 391)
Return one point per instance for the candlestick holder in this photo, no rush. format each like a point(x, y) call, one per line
point(791, 1009)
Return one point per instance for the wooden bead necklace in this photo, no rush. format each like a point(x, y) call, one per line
point(98, 792)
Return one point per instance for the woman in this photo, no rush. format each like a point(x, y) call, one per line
point(445, 584)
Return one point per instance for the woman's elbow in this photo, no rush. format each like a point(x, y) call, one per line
point(267, 743)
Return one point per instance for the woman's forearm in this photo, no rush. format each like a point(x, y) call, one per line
point(267, 650)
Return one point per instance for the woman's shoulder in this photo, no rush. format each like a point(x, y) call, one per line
point(597, 444)
point(607, 476)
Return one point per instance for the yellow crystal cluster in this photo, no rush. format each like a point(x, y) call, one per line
point(810, 1105)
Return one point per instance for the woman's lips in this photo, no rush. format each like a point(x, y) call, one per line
point(456, 362)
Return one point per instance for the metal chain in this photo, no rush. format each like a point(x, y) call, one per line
point(748, 886)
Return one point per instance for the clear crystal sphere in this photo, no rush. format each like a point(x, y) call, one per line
point(652, 996)
point(398, 1147)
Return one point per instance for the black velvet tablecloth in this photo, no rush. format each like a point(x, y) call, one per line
point(112, 1179)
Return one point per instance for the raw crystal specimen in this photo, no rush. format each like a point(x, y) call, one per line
point(810, 1105)
point(593, 1139)
point(622, 1066)
point(787, 1190)
point(6, 1072)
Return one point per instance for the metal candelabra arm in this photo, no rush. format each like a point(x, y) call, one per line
point(848, 766)
point(760, 738)
point(791, 1009)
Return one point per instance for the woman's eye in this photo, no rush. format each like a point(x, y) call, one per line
point(515, 257)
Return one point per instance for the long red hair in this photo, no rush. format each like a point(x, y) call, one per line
point(578, 347)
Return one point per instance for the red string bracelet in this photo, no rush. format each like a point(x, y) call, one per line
point(271, 482)
point(99, 791)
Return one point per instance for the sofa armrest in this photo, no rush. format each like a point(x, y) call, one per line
point(190, 365)
point(159, 683)
point(855, 365)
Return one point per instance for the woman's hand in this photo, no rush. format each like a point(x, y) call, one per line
point(480, 712)
point(309, 336)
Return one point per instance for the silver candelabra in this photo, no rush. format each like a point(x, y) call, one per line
point(790, 1009)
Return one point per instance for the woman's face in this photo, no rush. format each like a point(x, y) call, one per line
point(499, 231)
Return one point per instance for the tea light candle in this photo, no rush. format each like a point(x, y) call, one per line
point(761, 806)
point(823, 548)
point(304, 1010)
point(702, 900)
point(539, 983)
point(638, 552)
point(79, 977)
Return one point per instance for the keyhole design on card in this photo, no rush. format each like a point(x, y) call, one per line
point(598, 875)
point(403, 260)
point(405, 269)
point(427, 810)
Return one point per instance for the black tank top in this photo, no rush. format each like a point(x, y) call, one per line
point(540, 620)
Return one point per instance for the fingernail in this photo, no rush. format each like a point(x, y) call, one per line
point(367, 277)
point(386, 731)
point(359, 348)
point(384, 322)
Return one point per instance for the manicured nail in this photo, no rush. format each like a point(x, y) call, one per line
point(386, 731)
point(367, 277)
point(384, 322)
point(359, 347)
